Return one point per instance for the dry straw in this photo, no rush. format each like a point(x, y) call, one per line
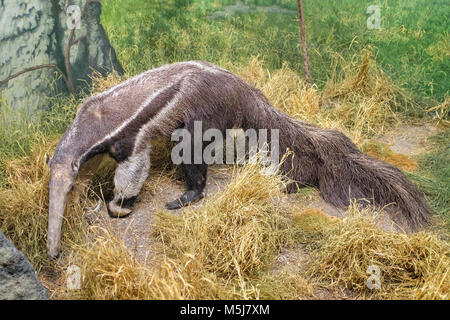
point(413, 266)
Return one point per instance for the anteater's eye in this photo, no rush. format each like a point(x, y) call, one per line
point(48, 159)
point(75, 165)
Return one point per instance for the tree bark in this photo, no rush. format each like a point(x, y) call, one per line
point(37, 37)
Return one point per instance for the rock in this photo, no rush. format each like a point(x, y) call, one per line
point(35, 32)
point(18, 280)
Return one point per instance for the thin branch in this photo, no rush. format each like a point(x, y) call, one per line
point(70, 43)
point(74, 42)
point(67, 51)
point(42, 66)
point(303, 42)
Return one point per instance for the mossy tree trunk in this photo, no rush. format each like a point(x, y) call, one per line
point(41, 53)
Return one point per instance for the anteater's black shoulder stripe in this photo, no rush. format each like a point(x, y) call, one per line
point(120, 146)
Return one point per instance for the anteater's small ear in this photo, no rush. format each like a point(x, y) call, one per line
point(75, 165)
point(47, 159)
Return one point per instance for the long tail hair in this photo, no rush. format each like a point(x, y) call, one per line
point(328, 160)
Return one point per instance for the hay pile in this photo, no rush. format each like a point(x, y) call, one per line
point(360, 100)
point(414, 266)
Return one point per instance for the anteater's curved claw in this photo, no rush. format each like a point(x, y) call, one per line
point(188, 198)
point(116, 211)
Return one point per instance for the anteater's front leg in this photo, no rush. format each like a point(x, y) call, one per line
point(129, 178)
point(196, 182)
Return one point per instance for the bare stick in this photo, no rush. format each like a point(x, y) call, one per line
point(70, 43)
point(74, 42)
point(303, 42)
point(42, 66)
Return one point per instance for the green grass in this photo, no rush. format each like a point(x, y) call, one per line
point(412, 47)
point(18, 136)
point(434, 175)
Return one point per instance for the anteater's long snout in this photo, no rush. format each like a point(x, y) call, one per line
point(60, 186)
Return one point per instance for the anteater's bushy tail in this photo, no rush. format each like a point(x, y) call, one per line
point(328, 160)
point(351, 174)
point(345, 173)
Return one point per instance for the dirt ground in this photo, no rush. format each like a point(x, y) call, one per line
point(410, 140)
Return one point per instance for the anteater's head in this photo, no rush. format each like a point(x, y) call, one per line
point(63, 173)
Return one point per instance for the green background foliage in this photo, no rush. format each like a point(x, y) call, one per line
point(412, 46)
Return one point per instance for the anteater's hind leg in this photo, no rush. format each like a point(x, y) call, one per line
point(129, 178)
point(196, 182)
